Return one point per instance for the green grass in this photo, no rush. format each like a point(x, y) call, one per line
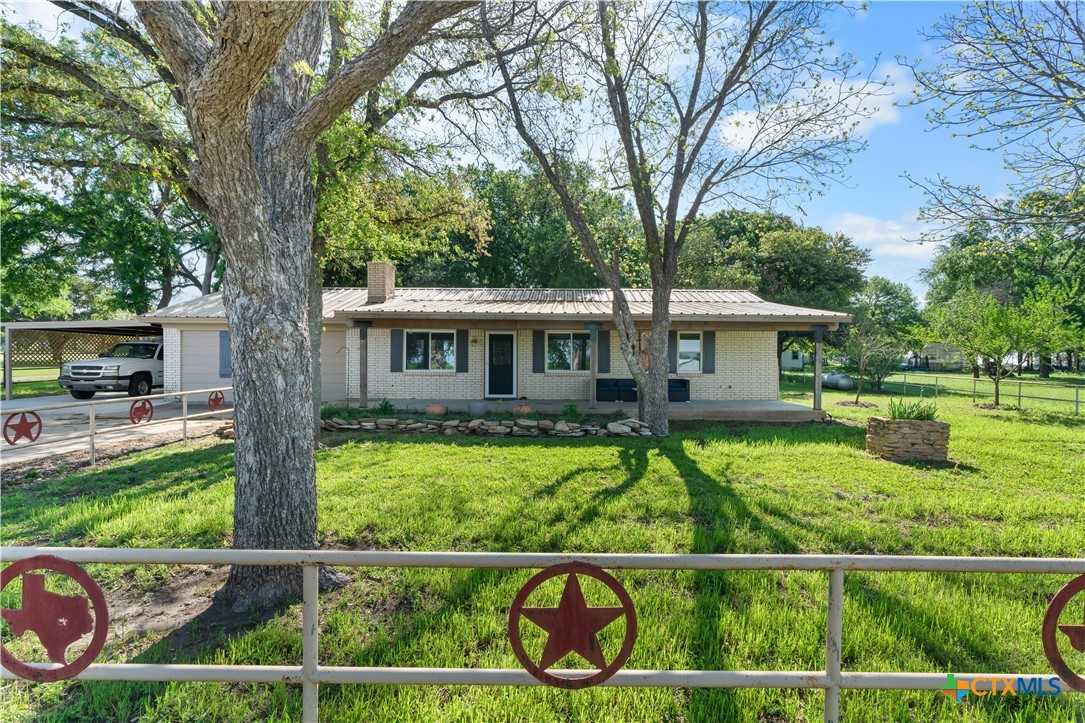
point(1015, 490)
point(40, 388)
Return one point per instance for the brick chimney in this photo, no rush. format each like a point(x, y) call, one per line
point(382, 281)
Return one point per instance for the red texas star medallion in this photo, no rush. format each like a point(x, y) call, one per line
point(573, 626)
point(27, 426)
point(141, 411)
point(1075, 634)
point(216, 401)
point(58, 621)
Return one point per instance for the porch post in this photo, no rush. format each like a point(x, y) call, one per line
point(593, 328)
point(363, 363)
point(819, 337)
point(7, 363)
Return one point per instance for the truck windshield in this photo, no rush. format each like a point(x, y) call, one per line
point(132, 351)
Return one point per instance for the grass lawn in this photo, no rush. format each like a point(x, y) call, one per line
point(38, 388)
point(1016, 490)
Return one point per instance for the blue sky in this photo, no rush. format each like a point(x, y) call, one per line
point(876, 206)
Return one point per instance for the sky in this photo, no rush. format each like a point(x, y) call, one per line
point(876, 206)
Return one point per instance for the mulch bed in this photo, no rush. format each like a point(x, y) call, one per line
point(864, 405)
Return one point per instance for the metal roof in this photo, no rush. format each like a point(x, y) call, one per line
point(122, 327)
point(700, 304)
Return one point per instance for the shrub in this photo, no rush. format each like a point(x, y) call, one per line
point(900, 409)
point(385, 408)
point(570, 412)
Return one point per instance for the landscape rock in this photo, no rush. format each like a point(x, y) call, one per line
point(618, 428)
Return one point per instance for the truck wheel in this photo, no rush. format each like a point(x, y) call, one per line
point(140, 386)
point(82, 395)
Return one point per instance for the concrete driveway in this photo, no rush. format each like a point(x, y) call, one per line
point(112, 423)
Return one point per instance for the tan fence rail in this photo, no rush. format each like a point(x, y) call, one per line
point(94, 430)
point(310, 674)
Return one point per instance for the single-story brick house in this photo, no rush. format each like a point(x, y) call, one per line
point(384, 342)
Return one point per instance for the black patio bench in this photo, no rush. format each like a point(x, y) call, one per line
point(625, 390)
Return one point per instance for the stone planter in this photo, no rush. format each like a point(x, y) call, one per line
point(900, 440)
point(435, 410)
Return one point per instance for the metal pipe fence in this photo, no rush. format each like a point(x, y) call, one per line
point(310, 674)
point(1009, 388)
point(94, 430)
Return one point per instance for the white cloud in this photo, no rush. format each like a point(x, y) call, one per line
point(893, 237)
point(756, 129)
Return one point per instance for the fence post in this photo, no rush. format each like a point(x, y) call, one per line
point(310, 632)
point(1077, 400)
point(92, 435)
point(9, 368)
point(184, 418)
point(935, 386)
point(834, 628)
point(974, 380)
point(1018, 393)
point(904, 393)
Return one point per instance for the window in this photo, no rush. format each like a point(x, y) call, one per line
point(794, 356)
point(689, 352)
point(568, 351)
point(430, 351)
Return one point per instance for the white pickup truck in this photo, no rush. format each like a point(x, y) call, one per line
point(131, 366)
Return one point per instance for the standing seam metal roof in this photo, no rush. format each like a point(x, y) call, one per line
point(481, 302)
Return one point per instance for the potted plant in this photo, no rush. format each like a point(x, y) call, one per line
point(521, 408)
point(911, 431)
point(436, 410)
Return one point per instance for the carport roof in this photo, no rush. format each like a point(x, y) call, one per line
point(123, 327)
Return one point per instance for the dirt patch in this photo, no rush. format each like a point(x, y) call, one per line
point(175, 602)
point(864, 405)
point(1000, 407)
point(33, 470)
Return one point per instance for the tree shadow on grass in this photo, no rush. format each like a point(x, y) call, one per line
point(719, 512)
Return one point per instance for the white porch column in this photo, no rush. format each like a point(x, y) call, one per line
point(593, 328)
point(363, 363)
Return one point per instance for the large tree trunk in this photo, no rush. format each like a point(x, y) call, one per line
point(652, 397)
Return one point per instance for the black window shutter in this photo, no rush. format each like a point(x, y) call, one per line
point(708, 352)
point(672, 351)
point(538, 352)
point(604, 351)
point(226, 366)
point(461, 351)
point(397, 350)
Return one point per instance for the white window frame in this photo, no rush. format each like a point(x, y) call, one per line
point(546, 352)
point(455, 351)
point(678, 352)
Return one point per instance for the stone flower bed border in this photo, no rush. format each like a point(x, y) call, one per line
point(493, 428)
point(902, 440)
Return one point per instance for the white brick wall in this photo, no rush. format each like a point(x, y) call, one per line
point(171, 360)
point(745, 369)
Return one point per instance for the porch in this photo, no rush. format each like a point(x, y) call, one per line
point(699, 410)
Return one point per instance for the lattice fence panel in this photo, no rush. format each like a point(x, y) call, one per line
point(33, 348)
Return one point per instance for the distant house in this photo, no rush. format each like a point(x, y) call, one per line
point(942, 357)
point(792, 360)
point(384, 342)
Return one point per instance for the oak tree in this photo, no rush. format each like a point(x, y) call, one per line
point(686, 105)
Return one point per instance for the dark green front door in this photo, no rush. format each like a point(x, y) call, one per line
point(500, 359)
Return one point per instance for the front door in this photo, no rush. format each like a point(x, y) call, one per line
point(500, 365)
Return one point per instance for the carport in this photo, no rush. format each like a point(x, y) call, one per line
point(52, 343)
